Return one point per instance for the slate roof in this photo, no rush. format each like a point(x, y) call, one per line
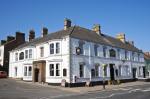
point(83, 34)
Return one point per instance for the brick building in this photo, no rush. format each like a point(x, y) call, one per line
point(8, 45)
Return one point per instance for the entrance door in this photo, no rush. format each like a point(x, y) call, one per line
point(36, 74)
point(134, 73)
point(144, 72)
point(112, 77)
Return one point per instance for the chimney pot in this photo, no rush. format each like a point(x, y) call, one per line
point(97, 29)
point(67, 23)
point(31, 35)
point(3, 42)
point(44, 31)
point(10, 38)
point(121, 37)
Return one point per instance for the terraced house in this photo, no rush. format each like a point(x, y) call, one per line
point(76, 55)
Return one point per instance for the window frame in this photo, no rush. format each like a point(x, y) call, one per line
point(57, 47)
point(52, 48)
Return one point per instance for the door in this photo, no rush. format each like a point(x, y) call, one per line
point(144, 72)
point(112, 77)
point(36, 75)
point(134, 73)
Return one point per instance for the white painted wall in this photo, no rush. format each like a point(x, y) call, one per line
point(1, 55)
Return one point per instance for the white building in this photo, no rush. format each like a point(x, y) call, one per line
point(76, 55)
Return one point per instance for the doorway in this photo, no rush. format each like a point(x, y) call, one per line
point(112, 76)
point(134, 73)
point(144, 71)
point(36, 73)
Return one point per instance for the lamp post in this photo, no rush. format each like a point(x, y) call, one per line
point(104, 75)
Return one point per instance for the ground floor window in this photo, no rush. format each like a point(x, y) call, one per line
point(54, 69)
point(81, 71)
point(28, 71)
point(92, 72)
point(105, 71)
point(125, 70)
point(16, 70)
point(97, 71)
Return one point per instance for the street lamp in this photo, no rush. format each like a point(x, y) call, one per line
point(104, 65)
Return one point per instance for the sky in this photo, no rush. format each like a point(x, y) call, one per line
point(131, 17)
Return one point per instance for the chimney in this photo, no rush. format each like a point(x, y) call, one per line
point(44, 31)
point(121, 37)
point(97, 29)
point(10, 38)
point(3, 42)
point(31, 35)
point(67, 23)
point(20, 37)
point(131, 42)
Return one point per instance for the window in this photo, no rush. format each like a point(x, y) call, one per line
point(51, 68)
point(81, 47)
point(92, 72)
point(16, 56)
point(26, 54)
point(0, 52)
point(104, 51)
point(118, 50)
point(57, 70)
point(105, 71)
point(96, 71)
point(52, 48)
point(25, 71)
point(126, 55)
point(119, 72)
point(81, 70)
point(64, 72)
point(133, 57)
point(30, 71)
point(30, 53)
point(112, 53)
point(21, 56)
point(57, 48)
point(15, 71)
point(41, 51)
point(138, 56)
point(96, 50)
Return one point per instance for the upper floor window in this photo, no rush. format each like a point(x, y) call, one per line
point(104, 51)
point(52, 48)
point(0, 52)
point(81, 43)
point(21, 56)
point(138, 56)
point(133, 56)
point(16, 56)
point(30, 53)
point(26, 54)
point(41, 51)
point(57, 48)
point(96, 50)
point(126, 54)
point(118, 51)
point(112, 53)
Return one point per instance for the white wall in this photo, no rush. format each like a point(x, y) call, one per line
point(1, 54)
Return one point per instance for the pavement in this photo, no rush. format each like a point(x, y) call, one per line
point(17, 89)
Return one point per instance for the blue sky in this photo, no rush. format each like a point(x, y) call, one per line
point(131, 17)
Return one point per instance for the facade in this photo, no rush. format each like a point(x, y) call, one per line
point(8, 45)
point(147, 63)
point(76, 55)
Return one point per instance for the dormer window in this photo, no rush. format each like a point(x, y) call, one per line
point(112, 53)
point(21, 56)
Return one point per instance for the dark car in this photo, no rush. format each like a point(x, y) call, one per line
point(3, 74)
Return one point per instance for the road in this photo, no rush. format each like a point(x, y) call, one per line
point(12, 89)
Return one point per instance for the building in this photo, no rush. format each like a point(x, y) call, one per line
point(8, 45)
point(76, 55)
point(147, 63)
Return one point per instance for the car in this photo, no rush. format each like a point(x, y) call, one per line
point(3, 74)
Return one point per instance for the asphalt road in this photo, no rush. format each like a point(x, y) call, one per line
point(11, 89)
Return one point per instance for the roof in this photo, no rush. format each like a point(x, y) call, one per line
point(147, 57)
point(83, 34)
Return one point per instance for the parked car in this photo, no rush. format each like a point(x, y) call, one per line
point(3, 74)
